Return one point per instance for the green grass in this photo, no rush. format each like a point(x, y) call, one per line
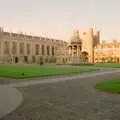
point(15, 71)
point(49, 65)
point(112, 85)
point(113, 65)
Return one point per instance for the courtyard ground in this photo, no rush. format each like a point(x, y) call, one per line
point(27, 71)
point(75, 99)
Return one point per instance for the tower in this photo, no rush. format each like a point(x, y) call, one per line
point(90, 44)
point(74, 49)
point(98, 36)
point(1, 32)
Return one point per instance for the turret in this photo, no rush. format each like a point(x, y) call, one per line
point(1, 29)
point(1, 32)
point(90, 43)
point(97, 33)
point(97, 37)
point(90, 31)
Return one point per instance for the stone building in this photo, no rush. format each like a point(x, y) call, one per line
point(80, 47)
point(107, 52)
point(21, 48)
point(85, 47)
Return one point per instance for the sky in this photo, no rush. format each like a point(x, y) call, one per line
point(58, 18)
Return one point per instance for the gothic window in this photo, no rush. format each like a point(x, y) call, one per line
point(75, 47)
point(42, 50)
point(80, 48)
point(116, 45)
point(6, 47)
point(37, 49)
point(28, 49)
point(52, 51)
point(48, 50)
point(14, 47)
point(22, 48)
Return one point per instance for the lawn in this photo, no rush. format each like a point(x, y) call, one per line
point(16, 71)
point(112, 85)
point(113, 65)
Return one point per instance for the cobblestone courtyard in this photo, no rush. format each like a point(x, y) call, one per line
point(68, 100)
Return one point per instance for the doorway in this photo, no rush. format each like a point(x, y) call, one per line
point(85, 56)
point(16, 59)
point(26, 59)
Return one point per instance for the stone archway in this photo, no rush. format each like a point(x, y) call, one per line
point(75, 50)
point(85, 56)
point(16, 60)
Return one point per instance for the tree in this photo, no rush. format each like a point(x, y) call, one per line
point(103, 59)
point(110, 59)
point(117, 59)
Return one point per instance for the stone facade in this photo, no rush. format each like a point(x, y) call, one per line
point(107, 52)
point(80, 46)
point(88, 45)
point(20, 48)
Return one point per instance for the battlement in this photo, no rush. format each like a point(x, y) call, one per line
point(90, 33)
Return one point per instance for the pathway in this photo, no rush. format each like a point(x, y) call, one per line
point(75, 98)
point(10, 98)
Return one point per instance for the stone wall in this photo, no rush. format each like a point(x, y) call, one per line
point(20, 48)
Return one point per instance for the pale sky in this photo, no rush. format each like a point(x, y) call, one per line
point(58, 18)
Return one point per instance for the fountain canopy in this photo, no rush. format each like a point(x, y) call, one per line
point(75, 39)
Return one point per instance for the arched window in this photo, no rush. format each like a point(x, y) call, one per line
point(28, 49)
point(37, 48)
point(22, 48)
point(42, 50)
point(48, 50)
point(6, 47)
point(14, 47)
point(53, 51)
